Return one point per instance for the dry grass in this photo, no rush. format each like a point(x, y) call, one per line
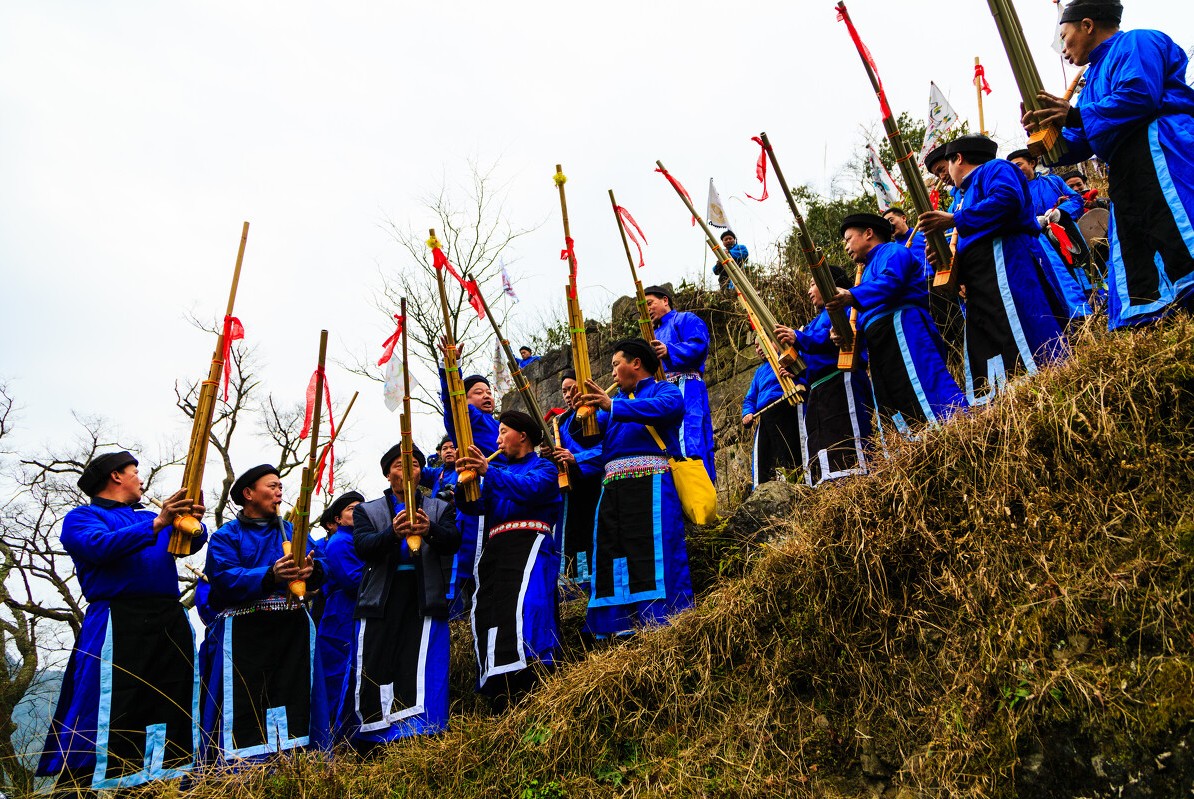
point(1016, 580)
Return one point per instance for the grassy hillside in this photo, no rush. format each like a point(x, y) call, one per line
point(1001, 609)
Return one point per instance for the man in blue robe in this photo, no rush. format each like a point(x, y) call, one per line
point(128, 709)
point(944, 308)
point(1056, 206)
point(344, 571)
point(586, 466)
point(1013, 321)
point(837, 411)
point(640, 559)
point(775, 444)
point(907, 356)
point(526, 357)
point(263, 682)
point(485, 431)
point(441, 479)
point(397, 683)
point(682, 344)
point(516, 607)
point(1136, 113)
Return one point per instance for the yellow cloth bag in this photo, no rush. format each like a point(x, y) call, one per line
point(698, 497)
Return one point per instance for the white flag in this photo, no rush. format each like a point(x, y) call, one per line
point(507, 283)
point(1058, 46)
point(392, 390)
point(881, 182)
point(502, 381)
point(715, 212)
point(942, 117)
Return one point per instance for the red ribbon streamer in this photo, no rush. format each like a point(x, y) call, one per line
point(1063, 241)
point(233, 331)
point(935, 199)
point(326, 458)
point(676, 185)
point(629, 225)
point(980, 77)
point(307, 417)
point(470, 286)
point(843, 16)
point(760, 168)
point(389, 344)
point(569, 254)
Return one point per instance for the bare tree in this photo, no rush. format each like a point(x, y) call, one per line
point(474, 233)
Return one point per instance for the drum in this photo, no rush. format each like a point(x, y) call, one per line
point(1094, 224)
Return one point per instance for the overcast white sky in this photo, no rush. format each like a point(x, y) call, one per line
point(136, 137)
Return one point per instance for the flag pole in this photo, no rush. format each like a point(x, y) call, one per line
point(978, 88)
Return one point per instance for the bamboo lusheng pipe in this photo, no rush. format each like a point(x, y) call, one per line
point(789, 399)
point(301, 513)
point(187, 527)
point(524, 388)
point(413, 542)
point(788, 356)
point(576, 319)
point(645, 329)
point(466, 479)
point(786, 383)
point(335, 433)
point(814, 256)
point(945, 279)
point(978, 88)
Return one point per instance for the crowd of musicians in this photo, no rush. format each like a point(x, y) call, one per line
point(140, 701)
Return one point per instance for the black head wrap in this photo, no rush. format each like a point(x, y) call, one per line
point(727, 232)
point(876, 223)
point(248, 480)
point(935, 155)
point(473, 380)
point(660, 291)
point(523, 423)
point(342, 502)
point(972, 144)
point(567, 374)
point(842, 278)
point(95, 477)
point(394, 453)
point(1025, 154)
point(637, 348)
point(528, 349)
point(1098, 10)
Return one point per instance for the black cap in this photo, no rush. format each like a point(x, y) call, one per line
point(1098, 10)
point(248, 480)
point(972, 143)
point(395, 452)
point(842, 278)
point(876, 223)
point(935, 155)
point(727, 232)
point(1073, 173)
point(337, 507)
point(1025, 154)
point(637, 348)
point(660, 291)
point(523, 423)
point(567, 374)
point(473, 380)
point(524, 347)
point(95, 477)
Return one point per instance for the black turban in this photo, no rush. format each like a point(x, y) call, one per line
point(972, 143)
point(876, 223)
point(473, 380)
point(842, 278)
point(395, 452)
point(1025, 154)
point(337, 507)
point(523, 423)
point(95, 477)
point(1098, 10)
point(935, 155)
point(637, 348)
point(727, 232)
point(248, 480)
point(567, 374)
point(660, 291)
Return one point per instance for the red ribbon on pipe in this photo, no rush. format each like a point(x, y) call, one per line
point(844, 16)
point(389, 344)
point(233, 331)
point(326, 458)
point(470, 286)
point(760, 168)
point(307, 417)
point(676, 185)
point(629, 225)
point(935, 199)
point(569, 254)
point(980, 78)
point(1063, 241)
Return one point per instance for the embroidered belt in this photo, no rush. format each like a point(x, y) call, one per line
point(521, 524)
point(676, 377)
point(272, 603)
point(639, 466)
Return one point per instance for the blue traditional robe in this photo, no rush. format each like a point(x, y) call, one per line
point(574, 532)
point(1071, 279)
point(835, 420)
point(515, 609)
point(907, 356)
point(687, 341)
point(439, 479)
point(129, 707)
point(917, 249)
point(264, 690)
point(1138, 116)
point(776, 439)
point(523, 363)
point(640, 560)
point(344, 572)
point(739, 253)
point(1011, 324)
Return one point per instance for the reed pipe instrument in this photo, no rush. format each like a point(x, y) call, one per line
point(184, 528)
point(409, 487)
point(814, 256)
point(646, 329)
point(788, 356)
point(576, 319)
point(301, 513)
point(786, 383)
point(945, 281)
point(466, 479)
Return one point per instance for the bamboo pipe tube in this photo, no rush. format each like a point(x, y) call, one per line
point(645, 329)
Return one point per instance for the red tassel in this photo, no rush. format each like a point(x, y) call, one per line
point(569, 254)
point(629, 225)
point(980, 77)
point(935, 199)
point(842, 16)
point(1063, 242)
point(389, 344)
point(760, 168)
point(306, 431)
point(470, 286)
point(233, 331)
point(676, 185)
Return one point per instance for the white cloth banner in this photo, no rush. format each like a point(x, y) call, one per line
point(715, 212)
point(942, 117)
point(881, 182)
